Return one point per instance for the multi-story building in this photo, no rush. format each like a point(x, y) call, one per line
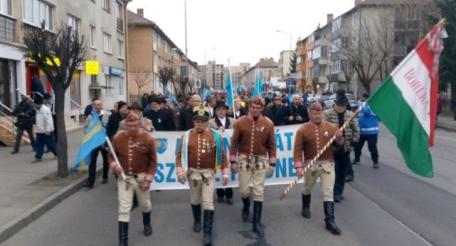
point(214, 76)
point(265, 69)
point(304, 82)
point(285, 63)
point(150, 50)
point(104, 29)
point(385, 30)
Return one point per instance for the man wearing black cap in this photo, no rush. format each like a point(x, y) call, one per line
point(161, 119)
point(25, 114)
point(114, 119)
point(275, 111)
point(221, 122)
point(201, 152)
point(338, 115)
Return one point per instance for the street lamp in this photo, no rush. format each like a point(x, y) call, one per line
point(291, 37)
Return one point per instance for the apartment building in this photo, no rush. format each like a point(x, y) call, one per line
point(151, 49)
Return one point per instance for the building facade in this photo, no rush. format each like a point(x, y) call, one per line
point(149, 51)
point(104, 30)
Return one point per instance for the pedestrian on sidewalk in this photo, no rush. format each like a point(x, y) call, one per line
point(222, 122)
point(202, 150)
point(44, 130)
point(253, 148)
point(136, 153)
point(338, 115)
point(368, 125)
point(309, 139)
point(97, 108)
point(25, 116)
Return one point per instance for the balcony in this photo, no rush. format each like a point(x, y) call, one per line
point(120, 25)
point(7, 29)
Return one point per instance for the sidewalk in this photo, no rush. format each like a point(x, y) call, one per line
point(446, 122)
point(25, 190)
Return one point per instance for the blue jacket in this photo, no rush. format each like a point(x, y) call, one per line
point(368, 121)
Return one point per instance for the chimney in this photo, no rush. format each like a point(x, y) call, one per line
point(140, 12)
point(329, 18)
point(357, 2)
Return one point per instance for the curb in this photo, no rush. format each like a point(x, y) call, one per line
point(19, 222)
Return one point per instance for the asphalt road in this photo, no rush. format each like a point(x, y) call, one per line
point(388, 206)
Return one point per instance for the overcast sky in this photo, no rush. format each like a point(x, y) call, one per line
point(238, 30)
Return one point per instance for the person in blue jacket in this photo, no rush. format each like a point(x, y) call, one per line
point(369, 128)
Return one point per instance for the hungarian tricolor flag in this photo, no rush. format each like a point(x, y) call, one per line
point(406, 102)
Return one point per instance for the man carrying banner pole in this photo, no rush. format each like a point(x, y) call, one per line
point(253, 140)
point(137, 156)
point(310, 138)
point(201, 151)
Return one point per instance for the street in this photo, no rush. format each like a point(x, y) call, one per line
point(388, 206)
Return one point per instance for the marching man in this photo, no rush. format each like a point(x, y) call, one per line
point(310, 139)
point(135, 150)
point(201, 151)
point(254, 142)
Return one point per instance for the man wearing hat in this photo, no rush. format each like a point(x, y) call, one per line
point(199, 155)
point(310, 138)
point(221, 122)
point(368, 124)
point(338, 115)
point(275, 111)
point(161, 119)
point(137, 157)
point(253, 154)
point(25, 115)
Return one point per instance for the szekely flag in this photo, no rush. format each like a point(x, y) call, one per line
point(406, 102)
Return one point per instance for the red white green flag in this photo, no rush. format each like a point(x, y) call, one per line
point(406, 102)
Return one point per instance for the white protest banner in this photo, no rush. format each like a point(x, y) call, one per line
point(168, 142)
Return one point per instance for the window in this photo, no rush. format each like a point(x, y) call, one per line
point(5, 7)
point(109, 87)
point(107, 43)
point(120, 46)
point(106, 5)
point(120, 16)
point(121, 86)
point(93, 33)
point(36, 11)
point(73, 23)
point(155, 40)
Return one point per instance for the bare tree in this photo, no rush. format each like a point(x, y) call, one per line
point(166, 75)
point(141, 75)
point(366, 50)
point(58, 55)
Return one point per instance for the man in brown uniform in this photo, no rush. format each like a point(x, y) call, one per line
point(253, 140)
point(201, 151)
point(310, 139)
point(135, 149)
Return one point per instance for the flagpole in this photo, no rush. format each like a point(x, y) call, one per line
point(319, 154)
point(232, 86)
point(113, 152)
